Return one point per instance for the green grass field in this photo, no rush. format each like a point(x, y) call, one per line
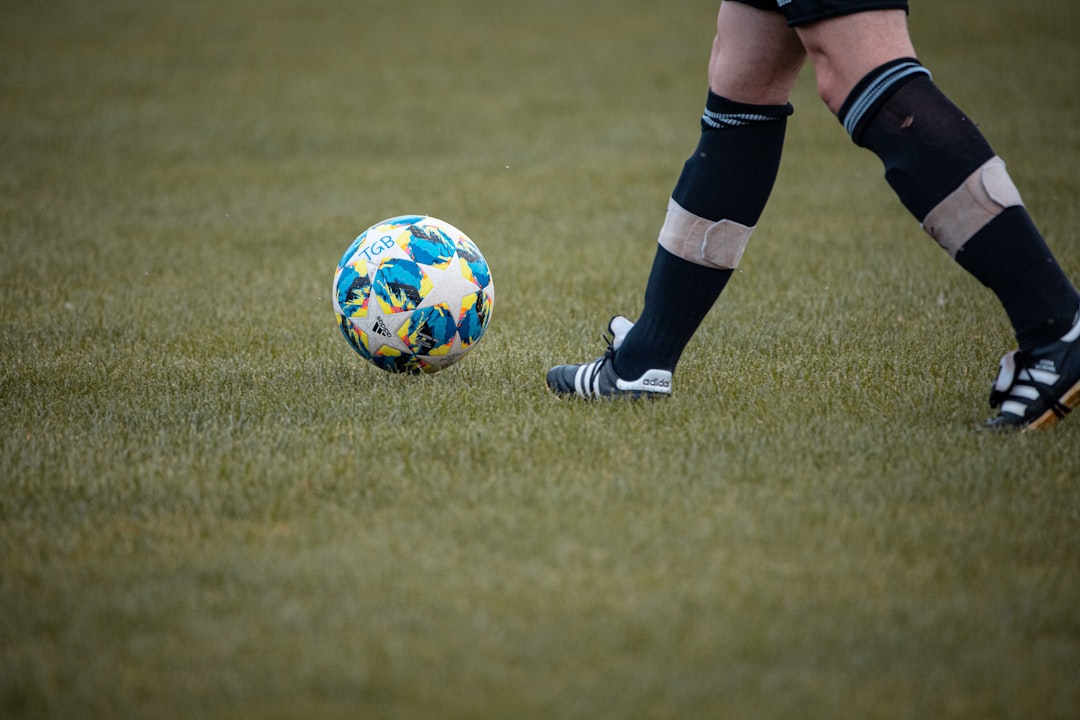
point(210, 507)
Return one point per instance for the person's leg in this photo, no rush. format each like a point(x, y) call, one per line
point(723, 187)
point(722, 190)
point(947, 175)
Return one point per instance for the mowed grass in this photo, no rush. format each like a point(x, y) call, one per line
point(210, 507)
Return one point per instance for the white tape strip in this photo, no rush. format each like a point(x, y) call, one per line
point(968, 208)
point(717, 244)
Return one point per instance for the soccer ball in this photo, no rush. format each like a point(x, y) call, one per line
point(413, 294)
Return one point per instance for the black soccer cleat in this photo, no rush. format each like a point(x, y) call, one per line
point(1037, 388)
point(598, 379)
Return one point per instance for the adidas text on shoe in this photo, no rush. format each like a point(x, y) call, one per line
point(598, 379)
point(1037, 388)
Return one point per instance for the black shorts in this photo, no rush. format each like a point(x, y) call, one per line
point(804, 12)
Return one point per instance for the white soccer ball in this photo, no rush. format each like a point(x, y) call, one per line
point(413, 294)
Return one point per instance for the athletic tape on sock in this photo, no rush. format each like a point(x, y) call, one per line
point(968, 208)
point(712, 243)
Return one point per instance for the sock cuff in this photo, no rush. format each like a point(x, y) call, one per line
point(722, 113)
point(874, 89)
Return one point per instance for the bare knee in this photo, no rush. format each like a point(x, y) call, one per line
point(843, 50)
point(756, 57)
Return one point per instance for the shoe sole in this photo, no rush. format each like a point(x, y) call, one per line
point(618, 395)
point(1071, 399)
point(624, 396)
point(621, 396)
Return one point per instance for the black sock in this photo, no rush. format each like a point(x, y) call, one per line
point(729, 176)
point(1009, 256)
point(929, 147)
point(677, 297)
